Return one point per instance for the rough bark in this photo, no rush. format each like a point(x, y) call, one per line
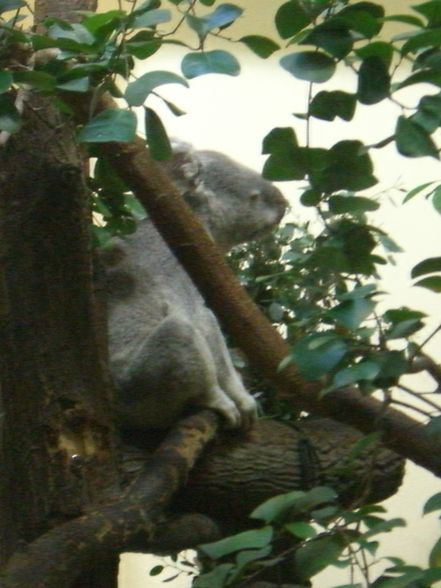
point(56, 558)
point(235, 475)
point(57, 438)
point(251, 331)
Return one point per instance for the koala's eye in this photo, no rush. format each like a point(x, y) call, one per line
point(254, 196)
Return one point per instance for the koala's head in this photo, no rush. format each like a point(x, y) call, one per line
point(235, 203)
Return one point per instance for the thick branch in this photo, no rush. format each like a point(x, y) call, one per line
point(55, 558)
point(252, 332)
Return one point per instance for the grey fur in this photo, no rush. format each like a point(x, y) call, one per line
point(166, 348)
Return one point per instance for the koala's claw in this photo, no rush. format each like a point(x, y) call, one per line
point(226, 407)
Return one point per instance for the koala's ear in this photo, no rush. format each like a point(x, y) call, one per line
point(184, 166)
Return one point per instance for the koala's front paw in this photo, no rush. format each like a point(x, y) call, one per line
point(248, 409)
point(220, 402)
point(239, 412)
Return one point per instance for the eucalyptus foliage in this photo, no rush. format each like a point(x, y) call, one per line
point(320, 288)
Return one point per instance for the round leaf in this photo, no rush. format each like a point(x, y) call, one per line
point(328, 105)
point(110, 125)
point(291, 18)
point(261, 46)
point(412, 140)
point(311, 66)
point(318, 354)
point(137, 91)
point(217, 61)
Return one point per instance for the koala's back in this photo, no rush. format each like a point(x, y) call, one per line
point(144, 283)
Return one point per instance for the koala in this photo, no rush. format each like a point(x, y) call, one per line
point(166, 349)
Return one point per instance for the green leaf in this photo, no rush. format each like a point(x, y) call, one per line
point(148, 5)
point(314, 556)
point(278, 140)
point(412, 140)
point(435, 555)
point(422, 40)
point(349, 167)
point(428, 114)
point(334, 37)
point(254, 539)
point(317, 354)
point(223, 16)
point(393, 364)
point(216, 61)
point(408, 579)
point(137, 91)
point(421, 77)
point(6, 81)
point(436, 199)
point(358, 292)
point(75, 85)
point(276, 507)
point(143, 44)
point(10, 119)
point(351, 204)
point(291, 18)
point(114, 124)
point(110, 20)
point(432, 283)
point(373, 80)
point(328, 105)
point(151, 19)
point(431, 10)
point(379, 49)
point(261, 46)
point(157, 138)
point(311, 197)
point(283, 163)
point(216, 578)
point(384, 527)
point(404, 327)
point(365, 370)
point(433, 427)
point(427, 266)
point(292, 503)
point(416, 191)
point(406, 19)
point(351, 313)
point(433, 503)
point(301, 530)
point(6, 5)
point(156, 570)
point(80, 37)
point(244, 558)
point(39, 80)
point(312, 66)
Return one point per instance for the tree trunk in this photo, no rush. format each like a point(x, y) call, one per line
point(57, 436)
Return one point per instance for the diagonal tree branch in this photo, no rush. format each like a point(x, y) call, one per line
point(252, 332)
